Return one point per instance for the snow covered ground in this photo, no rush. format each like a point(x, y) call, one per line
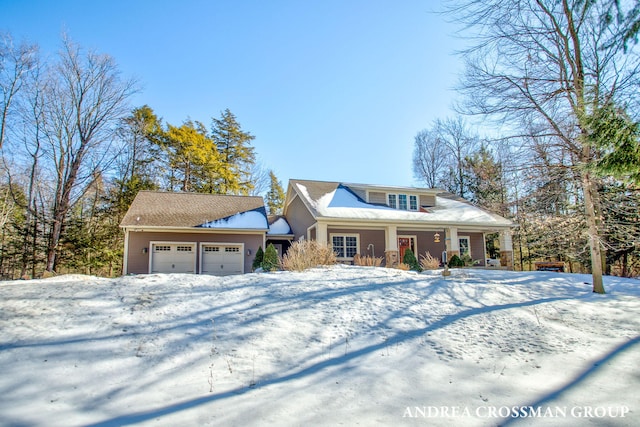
point(333, 346)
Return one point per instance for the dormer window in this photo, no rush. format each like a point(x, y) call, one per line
point(405, 202)
point(392, 201)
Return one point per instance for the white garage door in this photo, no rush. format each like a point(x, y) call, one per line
point(222, 259)
point(173, 258)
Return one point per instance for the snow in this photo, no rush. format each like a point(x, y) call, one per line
point(331, 346)
point(342, 203)
point(279, 227)
point(254, 220)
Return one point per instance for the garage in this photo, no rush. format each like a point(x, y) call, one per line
point(173, 258)
point(222, 259)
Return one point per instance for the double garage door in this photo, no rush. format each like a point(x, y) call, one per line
point(216, 259)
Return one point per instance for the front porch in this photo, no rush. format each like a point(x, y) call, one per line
point(391, 241)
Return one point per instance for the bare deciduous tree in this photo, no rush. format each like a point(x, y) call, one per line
point(85, 97)
point(549, 64)
point(15, 64)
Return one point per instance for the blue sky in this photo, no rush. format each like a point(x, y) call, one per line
point(332, 90)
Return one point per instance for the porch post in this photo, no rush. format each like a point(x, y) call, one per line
point(391, 245)
point(322, 235)
point(452, 242)
point(506, 249)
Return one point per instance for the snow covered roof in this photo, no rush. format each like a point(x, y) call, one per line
point(188, 210)
point(279, 226)
point(255, 220)
point(335, 200)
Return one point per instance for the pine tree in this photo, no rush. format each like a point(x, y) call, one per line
point(270, 261)
point(484, 179)
point(257, 261)
point(193, 158)
point(410, 259)
point(612, 130)
point(236, 152)
point(275, 196)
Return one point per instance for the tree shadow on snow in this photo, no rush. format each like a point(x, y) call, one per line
point(400, 337)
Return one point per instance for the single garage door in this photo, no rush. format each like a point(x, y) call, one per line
point(222, 259)
point(173, 258)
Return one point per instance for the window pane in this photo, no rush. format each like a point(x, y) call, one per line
point(413, 203)
point(392, 201)
point(402, 201)
point(351, 246)
point(338, 246)
point(464, 246)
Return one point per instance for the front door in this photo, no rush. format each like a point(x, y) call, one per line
point(405, 243)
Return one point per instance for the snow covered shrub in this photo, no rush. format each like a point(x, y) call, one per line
point(428, 262)
point(367, 261)
point(306, 254)
point(270, 261)
point(410, 259)
point(257, 261)
point(455, 261)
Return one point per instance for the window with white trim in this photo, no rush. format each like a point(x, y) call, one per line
point(465, 245)
point(345, 245)
point(392, 201)
point(413, 203)
point(402, 201)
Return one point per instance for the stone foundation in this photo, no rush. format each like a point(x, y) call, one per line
point(506, 259)
point(391, 258)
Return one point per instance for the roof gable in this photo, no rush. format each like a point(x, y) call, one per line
point(189, 210)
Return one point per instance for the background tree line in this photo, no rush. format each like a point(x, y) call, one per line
point(557, 81)
point(74, 155)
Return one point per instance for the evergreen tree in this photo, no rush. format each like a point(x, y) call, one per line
point(275, 196)
point(236, 153)
point(455, 261)
point(257, 261)
point(270, 261)
point(410, 259)
point(617, 135)
point(194, 161)
point(484, 179)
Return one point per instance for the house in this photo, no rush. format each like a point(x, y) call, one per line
point(220, 234)
point(169, 232)
point(385, 221)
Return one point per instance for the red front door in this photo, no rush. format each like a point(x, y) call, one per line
point(404, 243)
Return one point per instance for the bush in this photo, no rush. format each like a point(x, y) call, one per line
point(367, 261)
point(270, 261)
point(257, 261)
point(428, 262)
point(455, 261)
point(410, 259)
point(305, 254)
point(403, 266)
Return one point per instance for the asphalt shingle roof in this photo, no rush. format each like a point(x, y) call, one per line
point(165, 209)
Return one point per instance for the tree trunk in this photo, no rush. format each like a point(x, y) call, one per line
point(592, 230)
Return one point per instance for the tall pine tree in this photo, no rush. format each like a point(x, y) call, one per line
point(236, 152)
point(275, 196)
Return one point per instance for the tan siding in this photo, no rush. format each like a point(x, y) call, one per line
point(138, 259)
point(299, 218)
point(378, 197)
point(427, 200)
